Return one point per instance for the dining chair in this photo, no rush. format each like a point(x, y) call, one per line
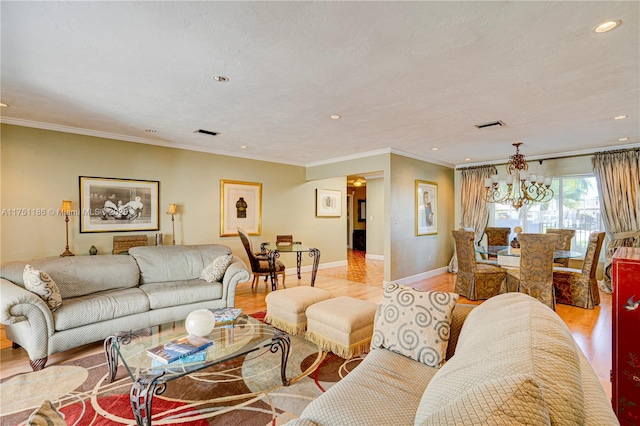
point(579, 287)
point(564, 243)
point(535, 275)
point(497, 237)
point(474, 280)
point(259, 262)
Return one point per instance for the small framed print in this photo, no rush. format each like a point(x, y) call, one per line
point(328, 203)
point(116, 205)
point(426, 208)
point(240, 206)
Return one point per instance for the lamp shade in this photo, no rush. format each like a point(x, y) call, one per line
point(172, 209)
point(66, 206)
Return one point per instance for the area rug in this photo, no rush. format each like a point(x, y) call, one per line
point(244, 391)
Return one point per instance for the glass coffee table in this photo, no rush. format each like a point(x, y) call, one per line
point(243, 336)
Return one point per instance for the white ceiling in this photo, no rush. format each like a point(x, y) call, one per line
point(405, 76)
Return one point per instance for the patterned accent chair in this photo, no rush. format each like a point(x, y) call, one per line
point(497, 237)
point(564, 243)
point(535, 275)
point(475, 280)
point(259, 262)
point(580, 287)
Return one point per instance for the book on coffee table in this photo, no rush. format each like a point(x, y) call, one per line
point(178, 348)
point(223, 315)
point(199, 356)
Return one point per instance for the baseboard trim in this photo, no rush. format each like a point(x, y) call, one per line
point(374, 256)
point(309, 268)
point(418, 277)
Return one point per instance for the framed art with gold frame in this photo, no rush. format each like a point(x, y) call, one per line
point(426, 208)
point(240, 206)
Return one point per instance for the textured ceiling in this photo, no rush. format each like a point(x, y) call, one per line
point(404, 76)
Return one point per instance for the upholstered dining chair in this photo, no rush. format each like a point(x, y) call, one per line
point(259, 262)
point(564, 243)
point(535, 275)
point(497, 237)
point(579, 287)
point(474, 280)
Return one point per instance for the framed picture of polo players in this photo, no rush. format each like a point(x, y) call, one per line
point(117, 205)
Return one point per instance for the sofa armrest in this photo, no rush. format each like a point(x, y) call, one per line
point(300, 422)
point(17, 305)
point(236, 273)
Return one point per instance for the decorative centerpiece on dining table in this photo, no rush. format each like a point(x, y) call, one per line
point(515, 244)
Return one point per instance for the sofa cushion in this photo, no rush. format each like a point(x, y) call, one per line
point(386, 385)
point(414, 323)
point(97, 307)
point(175, 263)
point(216, 269)
point(40, 283)
point(507, 335)
point(174, 293)
point(80, 275)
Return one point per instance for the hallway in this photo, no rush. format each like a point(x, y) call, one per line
point(358, 269)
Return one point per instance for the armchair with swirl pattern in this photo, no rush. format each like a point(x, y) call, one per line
point(475, 280)
point(580, 287)
point(535, 275)
point(497, 237)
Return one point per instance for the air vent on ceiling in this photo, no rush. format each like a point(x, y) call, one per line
point(499, 123)
point(206, 132)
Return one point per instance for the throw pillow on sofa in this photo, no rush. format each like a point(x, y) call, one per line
point(414, 323)
point(40, 283)
point(214, 271)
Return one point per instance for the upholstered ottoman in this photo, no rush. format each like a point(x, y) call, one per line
point(343, 325)
point(286, 308)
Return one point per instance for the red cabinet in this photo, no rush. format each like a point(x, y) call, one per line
point(625, 279)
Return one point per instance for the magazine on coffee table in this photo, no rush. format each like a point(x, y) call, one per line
point(178, 348)
point(223, 315)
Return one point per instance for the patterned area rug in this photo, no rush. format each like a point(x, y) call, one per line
point(244, 391)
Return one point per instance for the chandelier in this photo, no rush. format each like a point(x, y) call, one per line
point(521, 188)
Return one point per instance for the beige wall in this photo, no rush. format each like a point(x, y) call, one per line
point(40, 168)
point(410, 254)
point(375, 217)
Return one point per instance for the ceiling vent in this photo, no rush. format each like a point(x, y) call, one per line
point(206, 132)
point(498, 123)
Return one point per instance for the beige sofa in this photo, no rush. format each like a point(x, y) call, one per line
point(514, 362)
point(105, 294)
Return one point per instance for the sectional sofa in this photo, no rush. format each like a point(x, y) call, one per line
point(510, 361)
point(108, 293)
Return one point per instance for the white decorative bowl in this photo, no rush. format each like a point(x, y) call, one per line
point(200, 322)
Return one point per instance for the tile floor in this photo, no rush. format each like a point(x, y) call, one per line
point(359, 269)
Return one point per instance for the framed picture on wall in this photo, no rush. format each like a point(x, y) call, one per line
point(362, 210)
point(426, 208)
point(116, 205)
point(240, 206)
point(328, 203)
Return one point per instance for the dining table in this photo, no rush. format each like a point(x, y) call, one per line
point(510, 257)
point(273, 252)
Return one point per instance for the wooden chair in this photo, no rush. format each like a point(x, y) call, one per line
point(564, 243)
point(475, 280)
point(535, 275)
point(497, 237)
point(259, 262)
point(579, 287)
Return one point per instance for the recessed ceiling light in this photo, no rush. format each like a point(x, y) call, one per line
point(336, 117)
point(623, 139)
point(467, 159)
point(620, 117)
point(434, 149)
point(3, 105)
point(220, 78)
point(607, 26)
point(243, 147)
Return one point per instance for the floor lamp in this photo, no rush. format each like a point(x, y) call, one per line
point(66, 207)
point(172, 212)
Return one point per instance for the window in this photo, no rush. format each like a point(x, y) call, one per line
point(575, 205)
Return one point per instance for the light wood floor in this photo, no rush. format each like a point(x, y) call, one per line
point(590, 328)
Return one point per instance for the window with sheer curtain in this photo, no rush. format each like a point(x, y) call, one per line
point(575, 205)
